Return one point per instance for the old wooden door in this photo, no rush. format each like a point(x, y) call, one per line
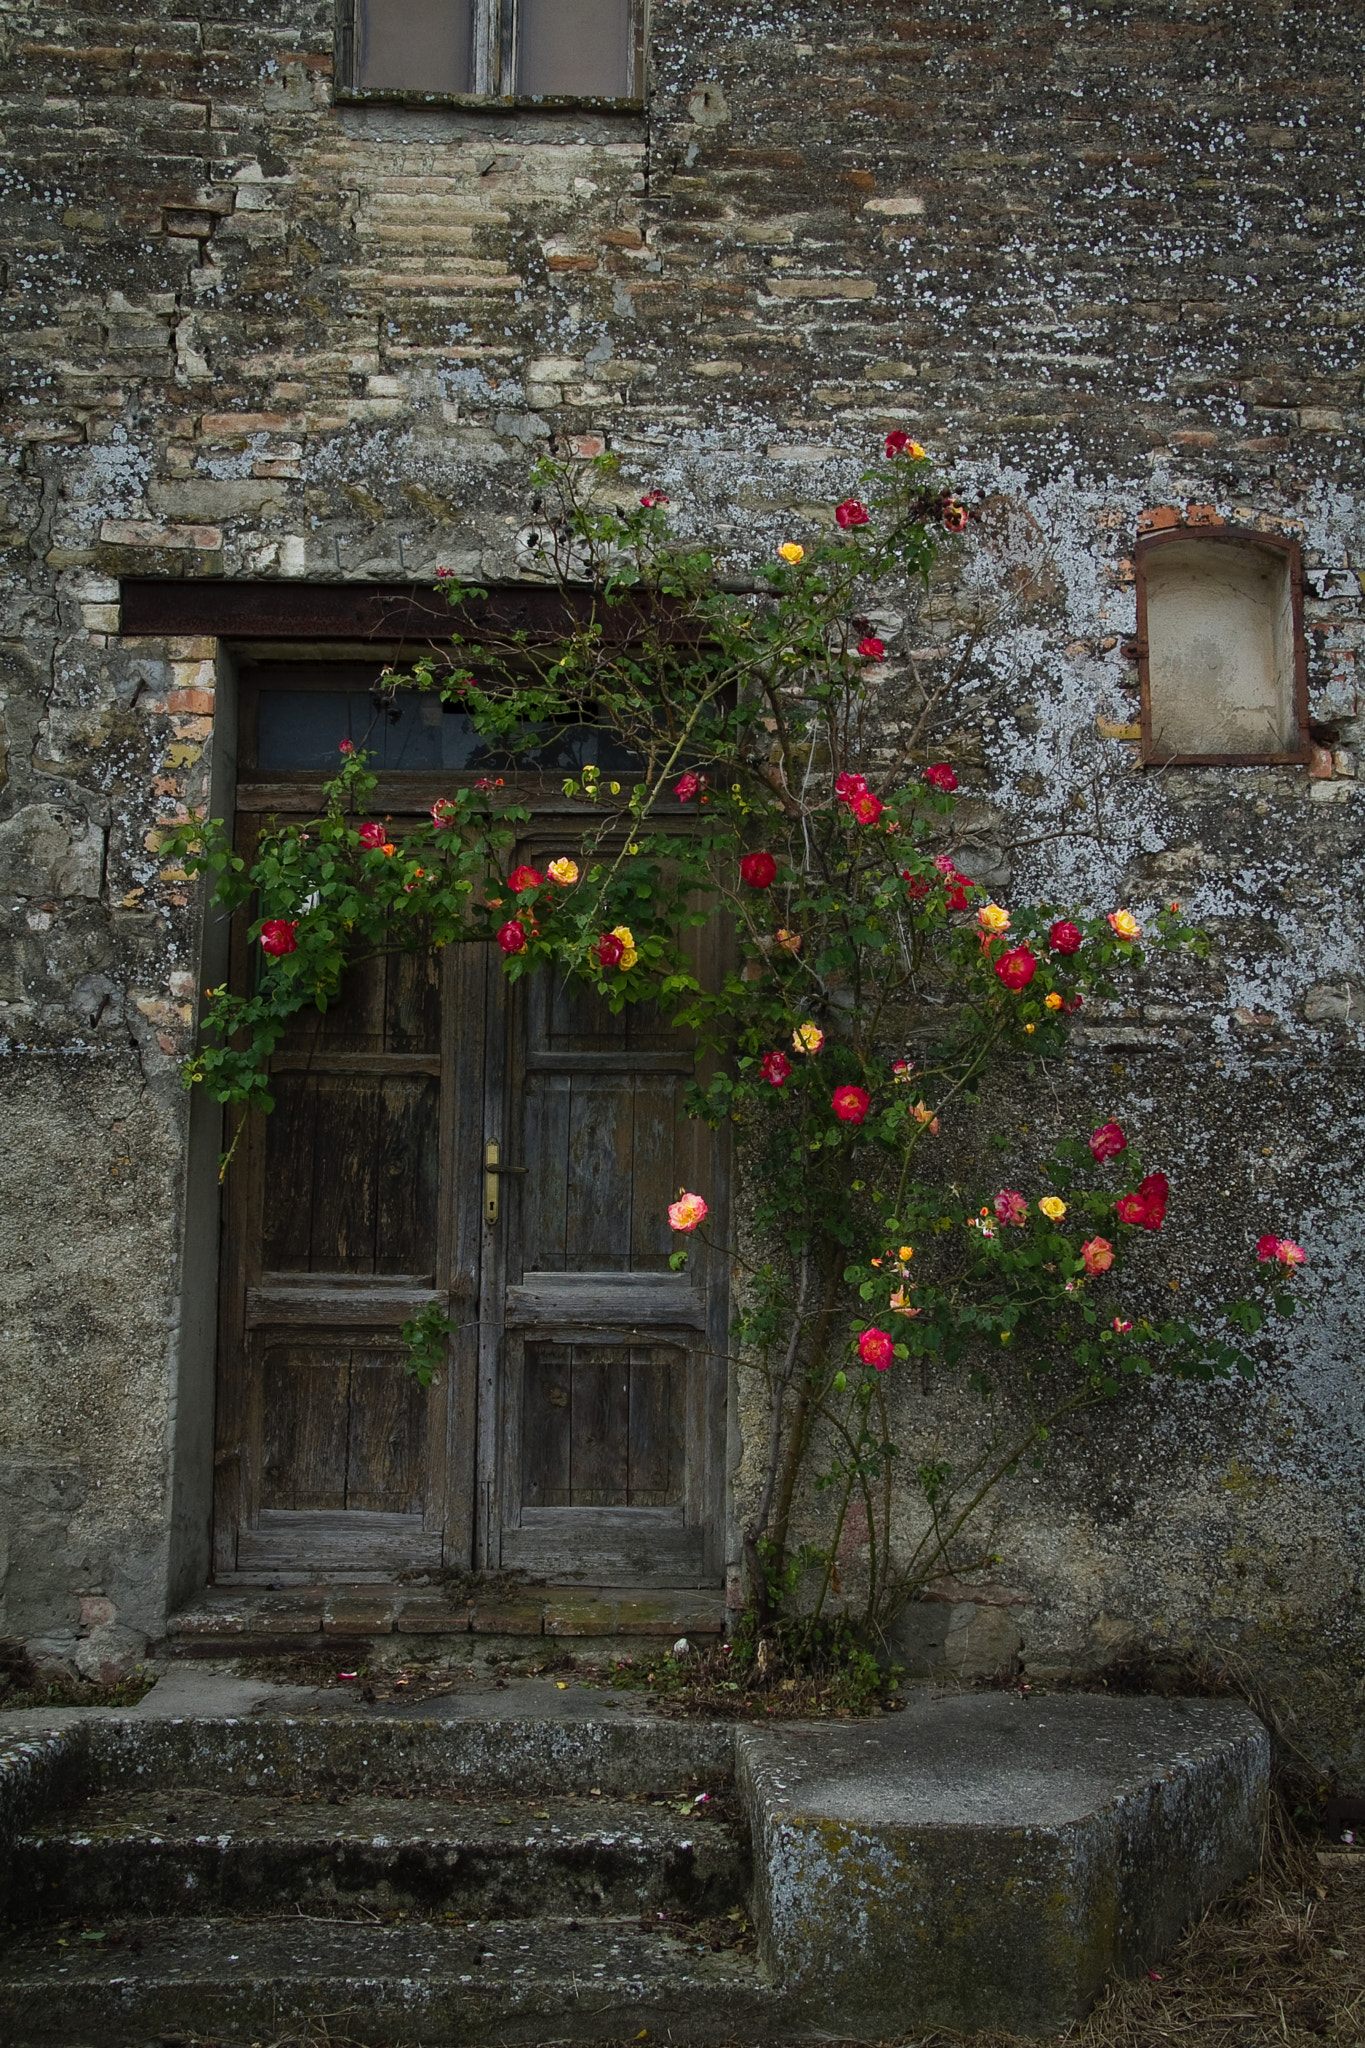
point(576, 1432)
point(603, 1385)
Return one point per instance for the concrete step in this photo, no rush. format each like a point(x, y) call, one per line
point(187, 1849)
point(513, 1982)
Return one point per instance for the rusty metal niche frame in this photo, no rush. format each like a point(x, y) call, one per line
point(1244, 538)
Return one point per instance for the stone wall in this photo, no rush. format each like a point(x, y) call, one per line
point(1100, 258)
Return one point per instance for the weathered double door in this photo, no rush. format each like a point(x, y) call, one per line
point(575, 1431)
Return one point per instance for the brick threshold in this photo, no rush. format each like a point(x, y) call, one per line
point(252, 1620)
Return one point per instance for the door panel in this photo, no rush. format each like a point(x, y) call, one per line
point(342, 1223)
point(609, 1372)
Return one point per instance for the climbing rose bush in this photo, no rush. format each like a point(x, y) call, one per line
point(876, 986)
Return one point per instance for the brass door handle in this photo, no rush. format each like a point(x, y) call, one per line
point(492, 1172)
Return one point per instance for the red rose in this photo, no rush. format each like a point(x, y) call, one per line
point(918, 889)
point(851, 513)
point(775, 1067)
point(851, 1104)
point(347, 747)
point(1107, 1142)
point(866, 808)
point(759, 870)
point(686, 787)
point(372, 835)
point(957, 886)
point(1016, 968)
point(847, 786)
point(941, 776)
point(444, 813)
point(512, 937)
point(609, 950)
point(871, 649)
point(955, 518)
point(524, 878)
point(1064, 937)
point(653, 498)
point(1146, 1208)
point(897, 441)
point(1267, 1248)
point(279, 935)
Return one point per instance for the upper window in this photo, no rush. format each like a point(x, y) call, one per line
point(499, 49)
point(1220, 647)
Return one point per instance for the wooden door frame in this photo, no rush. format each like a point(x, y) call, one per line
point(477, 1000)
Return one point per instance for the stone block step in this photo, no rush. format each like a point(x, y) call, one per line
point(183, 1849)
point(514, 1982)
point(384, 1619)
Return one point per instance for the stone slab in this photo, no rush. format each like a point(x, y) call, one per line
point(990, 1859)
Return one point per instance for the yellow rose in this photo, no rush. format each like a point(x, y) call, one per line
point(807, 1038)
point(992, 918)
point(1052, 1002)
point(565, 872)
point(1125, 925)
point(790, 552)
point(1053, 1207)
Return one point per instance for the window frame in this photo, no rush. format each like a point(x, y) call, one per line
point(495, 56)
point(1245, 537)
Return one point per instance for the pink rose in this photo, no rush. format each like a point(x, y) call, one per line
point(1097, 1255)
point(512, 937)
point(871, 648)
point(1016, 968)
point(686, 787)
point(372, 835)
point(877, 1348)
point(775, 1068)
point(1107, 1142)
point(687, 1212)
point(850, 1104)
point(847, 787)
point(1010, 1207)
point(279, 935)
point(443, 813)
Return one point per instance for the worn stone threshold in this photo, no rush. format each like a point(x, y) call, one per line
point(246, 1620)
